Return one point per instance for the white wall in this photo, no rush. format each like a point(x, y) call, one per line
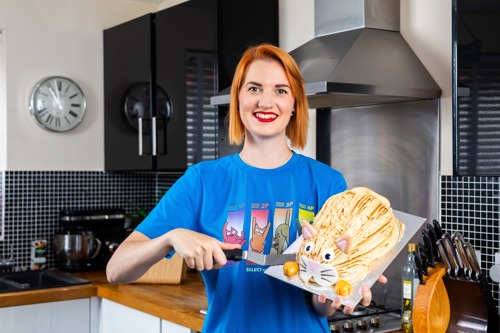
point(64, 37)
point(426, 26)
point(56, 37)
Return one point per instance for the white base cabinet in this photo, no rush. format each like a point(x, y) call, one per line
point(54, 317)
point(115, 317)
point(169, 327)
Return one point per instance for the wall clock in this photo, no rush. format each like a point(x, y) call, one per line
point(57, 104)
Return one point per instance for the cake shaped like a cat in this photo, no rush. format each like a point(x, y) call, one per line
point(350, 232)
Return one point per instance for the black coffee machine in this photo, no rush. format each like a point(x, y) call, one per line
point(88, 238)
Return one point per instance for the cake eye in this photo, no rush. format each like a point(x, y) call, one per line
point(328, 255)
point(309, 247)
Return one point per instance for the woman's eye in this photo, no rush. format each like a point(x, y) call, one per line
point(328, 255)
point(309, 247)
point(254, 89)
point(282, 91)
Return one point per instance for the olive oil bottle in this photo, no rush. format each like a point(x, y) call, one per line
point(410, 285)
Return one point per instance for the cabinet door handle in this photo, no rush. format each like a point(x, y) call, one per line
point(153, 135)
point(140, 135)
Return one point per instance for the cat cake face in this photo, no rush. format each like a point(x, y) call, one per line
point(352, 229)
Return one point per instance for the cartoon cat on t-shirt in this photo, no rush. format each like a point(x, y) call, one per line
point(259, 235)
point(231, 235)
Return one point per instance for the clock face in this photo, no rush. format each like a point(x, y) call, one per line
point(57, 104)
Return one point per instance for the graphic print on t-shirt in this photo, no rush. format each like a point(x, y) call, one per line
point(260, 229)
point(281, 230)
point(305, 214)
point(233, 232)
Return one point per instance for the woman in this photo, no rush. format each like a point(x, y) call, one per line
point(251, 200)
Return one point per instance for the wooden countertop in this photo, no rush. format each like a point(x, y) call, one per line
point(177, 303)
point(180, 304)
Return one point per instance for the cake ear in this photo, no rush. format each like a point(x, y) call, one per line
point(344, 243)
point(308, 231)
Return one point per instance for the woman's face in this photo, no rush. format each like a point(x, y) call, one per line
point(265, 100)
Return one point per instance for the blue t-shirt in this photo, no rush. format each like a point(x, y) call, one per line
point(261, 209)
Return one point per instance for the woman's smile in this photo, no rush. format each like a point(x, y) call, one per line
point(265, 117)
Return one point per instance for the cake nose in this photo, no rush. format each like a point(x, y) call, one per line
point(313, 265)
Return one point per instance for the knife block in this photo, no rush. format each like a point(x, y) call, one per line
point(431, 311)
point(472, 306)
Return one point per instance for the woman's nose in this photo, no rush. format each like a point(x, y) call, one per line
point(265, 102)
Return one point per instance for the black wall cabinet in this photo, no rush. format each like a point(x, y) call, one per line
point(188, 53)
point(239, 25)
point(476, 89)
point(173, 50)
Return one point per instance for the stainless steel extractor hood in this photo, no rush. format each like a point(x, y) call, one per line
point(358, 57)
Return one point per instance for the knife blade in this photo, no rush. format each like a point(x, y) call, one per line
point(259, 258)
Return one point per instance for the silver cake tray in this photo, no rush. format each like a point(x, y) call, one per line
point(412, 225)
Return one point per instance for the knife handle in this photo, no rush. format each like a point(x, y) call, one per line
point(452, 256)
point(423, 257)
point(433, 237)
point(418, 263)
point(437, 229)
point(429, 247)
point(444, 256)
point(234, 255)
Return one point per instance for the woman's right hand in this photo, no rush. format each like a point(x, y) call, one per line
point(199, 251)
point(138, 253)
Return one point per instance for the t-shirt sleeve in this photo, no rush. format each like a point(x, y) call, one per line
point(339, 185)
point(178, 208)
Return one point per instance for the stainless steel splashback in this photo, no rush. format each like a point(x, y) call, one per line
point(392, 149)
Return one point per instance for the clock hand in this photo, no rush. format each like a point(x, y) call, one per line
point(57, 93)
point(56, 98)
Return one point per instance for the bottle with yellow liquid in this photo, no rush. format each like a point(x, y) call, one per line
point(410, 285)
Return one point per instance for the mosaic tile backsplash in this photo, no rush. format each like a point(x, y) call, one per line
point(471, 205)
point(32, 201)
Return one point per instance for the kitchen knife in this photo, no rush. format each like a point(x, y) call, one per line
point(437, 229)
point(444, 256)
point(424, 259)
point(451, 242)
point(471, 256)
point(259, 258)
point(429, 248)
point(434, 239)
point(460, 246)
point(418, 263)
point(457, 270)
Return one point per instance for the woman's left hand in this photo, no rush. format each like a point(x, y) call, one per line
point(326, 307)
